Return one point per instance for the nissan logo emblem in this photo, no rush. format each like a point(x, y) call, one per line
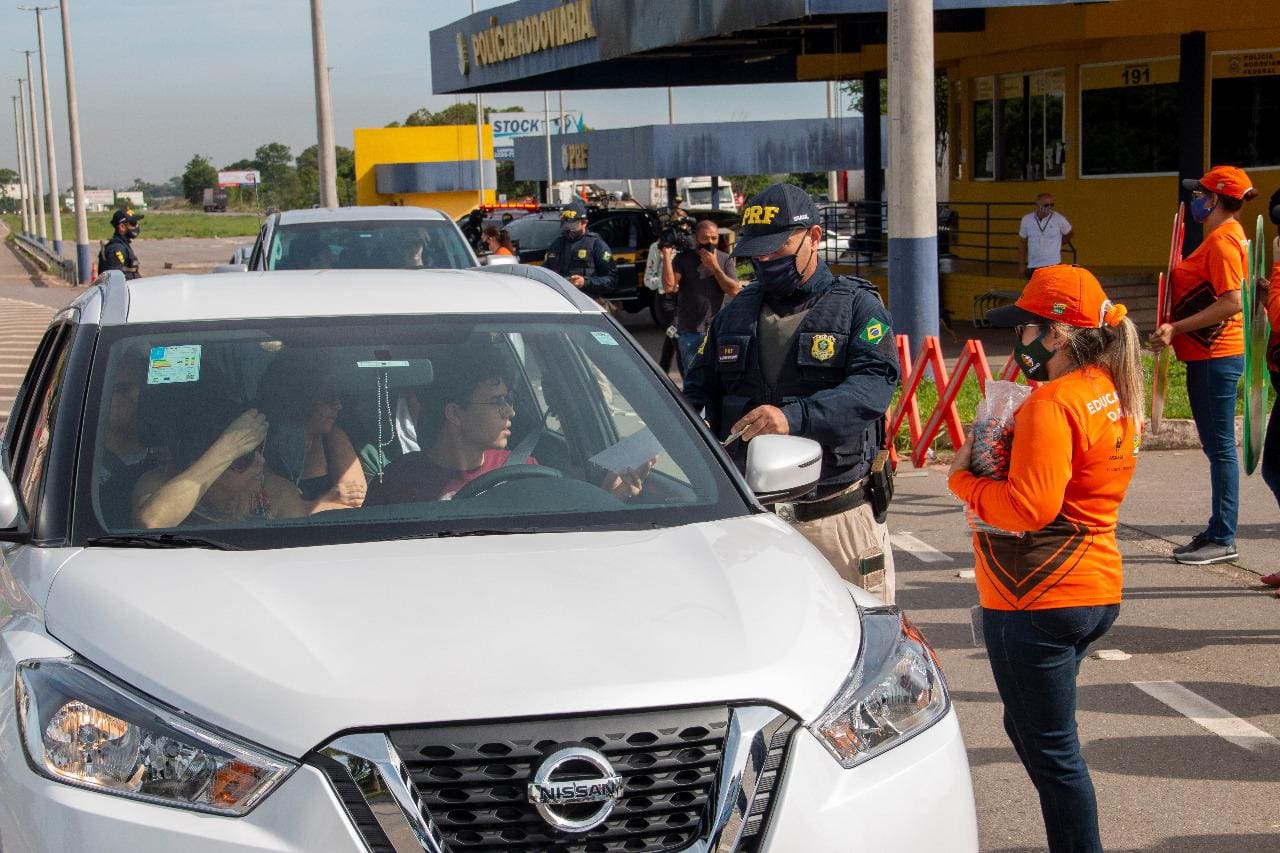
point(575, 789)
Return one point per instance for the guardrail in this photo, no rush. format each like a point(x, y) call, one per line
point(64, 268)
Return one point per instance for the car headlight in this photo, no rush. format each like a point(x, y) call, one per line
point(894, 692)
point(80, 728)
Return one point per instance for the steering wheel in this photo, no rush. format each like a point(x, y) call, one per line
point(507, 474)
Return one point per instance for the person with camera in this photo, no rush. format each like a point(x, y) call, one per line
point(801, 351)
point(694, 268)
point(582, 256)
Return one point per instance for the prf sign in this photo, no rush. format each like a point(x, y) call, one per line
point(573, 156)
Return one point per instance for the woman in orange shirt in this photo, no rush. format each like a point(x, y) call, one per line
point(1271, 446)
point(1207, 334)
point(497, 240)
point(1051, 587)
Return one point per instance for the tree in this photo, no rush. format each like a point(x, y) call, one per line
point(199, 176)
point(941, 124)
point(463, 112)
point(508, 185)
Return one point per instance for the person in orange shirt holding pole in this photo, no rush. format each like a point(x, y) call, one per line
point(1271, 445)
point(1051, 587)
point(1207, 334)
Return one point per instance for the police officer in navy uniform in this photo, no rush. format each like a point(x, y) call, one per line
point(582, 256)
point(117, 253)
point(802, 351)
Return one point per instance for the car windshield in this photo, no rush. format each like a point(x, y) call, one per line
point(534, 233)
point(264, 434)
point(371, 244)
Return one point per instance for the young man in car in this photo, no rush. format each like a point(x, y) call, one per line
point(700, 276)
point(801, 351)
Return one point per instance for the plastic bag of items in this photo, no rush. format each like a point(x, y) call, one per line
point(992, 439)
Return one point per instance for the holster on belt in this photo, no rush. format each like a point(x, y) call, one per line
point(880, 486)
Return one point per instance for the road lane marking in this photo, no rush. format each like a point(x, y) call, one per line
point(1205, 714)
point(921, 551)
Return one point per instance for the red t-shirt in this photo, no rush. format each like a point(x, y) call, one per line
point(414, 477)
point(1214, 268)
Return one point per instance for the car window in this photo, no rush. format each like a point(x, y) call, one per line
point(358, 429)
point(534, 233)
point(619, 232)
point(37, 420)
point(373, 244)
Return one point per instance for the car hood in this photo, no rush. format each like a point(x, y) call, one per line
point(288, 647)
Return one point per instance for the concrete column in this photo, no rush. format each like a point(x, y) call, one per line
point(833, 177)
point(324, 109)
point(83, 266)
point(37, 169)
point(24, 162)
point(1191, 124)
point(22, 178)
point(55, 200)
point(913, 205)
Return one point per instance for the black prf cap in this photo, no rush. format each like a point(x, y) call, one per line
point(771, 216)
point(573, 211)
point(125, 216)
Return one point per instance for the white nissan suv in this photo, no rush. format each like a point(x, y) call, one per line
point(256, 596)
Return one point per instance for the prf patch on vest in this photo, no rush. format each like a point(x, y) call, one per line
point(607, 254)
point(873, 331)
point(582, 254)
point(823, 347)
point(728, 352)
point(119, 256)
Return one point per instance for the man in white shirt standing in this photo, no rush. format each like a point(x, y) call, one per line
point(1041, 235)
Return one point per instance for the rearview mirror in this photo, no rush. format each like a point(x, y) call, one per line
point(782, 467)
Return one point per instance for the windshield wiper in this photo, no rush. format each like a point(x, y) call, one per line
point(161, 540)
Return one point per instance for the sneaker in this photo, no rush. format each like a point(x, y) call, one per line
point(1196, 541)
point(1272, 579)
point(1208, 552)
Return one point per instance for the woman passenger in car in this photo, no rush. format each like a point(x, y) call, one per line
point(305, 444)
point(126, 453)
point(216, 479)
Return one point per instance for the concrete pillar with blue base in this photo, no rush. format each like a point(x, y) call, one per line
point(913, 286)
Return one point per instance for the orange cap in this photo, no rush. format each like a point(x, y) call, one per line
point(1064, 293)
point(1223, 180)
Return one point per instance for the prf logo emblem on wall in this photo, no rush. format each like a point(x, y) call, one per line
point(1059, 308)
point(823, 347)
point(464, 64)
point(573, 156)
point(575, 789)
point(873, 332)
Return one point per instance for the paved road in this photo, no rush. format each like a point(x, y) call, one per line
point(1203, 639)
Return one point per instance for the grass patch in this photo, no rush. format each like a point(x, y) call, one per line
point(159, 225)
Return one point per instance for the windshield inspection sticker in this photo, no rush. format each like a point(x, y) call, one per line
point(605, 338)
point(174, 364)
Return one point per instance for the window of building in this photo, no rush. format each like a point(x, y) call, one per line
point(1245, 109)
point(1018, 122)
point(1129, 117)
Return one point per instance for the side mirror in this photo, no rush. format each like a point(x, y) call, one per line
point(782, 467)
point(9, 510)
point(231, 268)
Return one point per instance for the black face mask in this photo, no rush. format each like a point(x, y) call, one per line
point(780, 276)
point(570, 231)
point(1033, 358)
point(710, 247)
point(132, 232)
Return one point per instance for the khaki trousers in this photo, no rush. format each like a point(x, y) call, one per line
point(845, 538)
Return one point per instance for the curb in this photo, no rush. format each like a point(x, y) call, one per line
point(1180, 434)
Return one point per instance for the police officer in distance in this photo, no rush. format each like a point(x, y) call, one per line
point(802, 351)
point(582, 256)
point(117, 253)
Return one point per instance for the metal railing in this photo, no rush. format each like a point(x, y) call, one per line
point(982, 232)
point(64, 268)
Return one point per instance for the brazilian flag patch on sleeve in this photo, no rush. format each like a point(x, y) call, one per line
point(873, 331)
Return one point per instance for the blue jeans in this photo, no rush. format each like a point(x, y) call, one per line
point(688, 348)
point(1271, 446)
point(1212, 386)
point(1035, 656)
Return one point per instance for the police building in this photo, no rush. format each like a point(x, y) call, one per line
point(1102, 104)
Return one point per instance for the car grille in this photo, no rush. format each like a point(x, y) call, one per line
point(464, 788)
point(473, 779)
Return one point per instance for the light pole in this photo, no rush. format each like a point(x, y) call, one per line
point(22, 169)
point(26, 159)
point(55, 202)
point(37, 168)
point(324, 109)
point(77, 167)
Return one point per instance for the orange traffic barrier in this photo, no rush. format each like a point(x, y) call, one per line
point(972, 359)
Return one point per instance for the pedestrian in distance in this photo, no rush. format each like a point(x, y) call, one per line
point(1271, 445)
point(801, 351)
point(701, 276)
point(1207, 334)
point(582, 256)
point(1052, 586)
point(1041, 234)
point(497, 241)
point(117, 253)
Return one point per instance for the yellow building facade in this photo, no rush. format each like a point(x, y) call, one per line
point(423, 166)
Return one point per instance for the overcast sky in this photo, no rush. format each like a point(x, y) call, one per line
point(162, 80)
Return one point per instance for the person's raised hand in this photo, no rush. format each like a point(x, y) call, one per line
point(1161, 337)
point(243, 435)
point(708, 259)
point(577, 280)
point(762, 420)
point(629, 483)
point(668, 252)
